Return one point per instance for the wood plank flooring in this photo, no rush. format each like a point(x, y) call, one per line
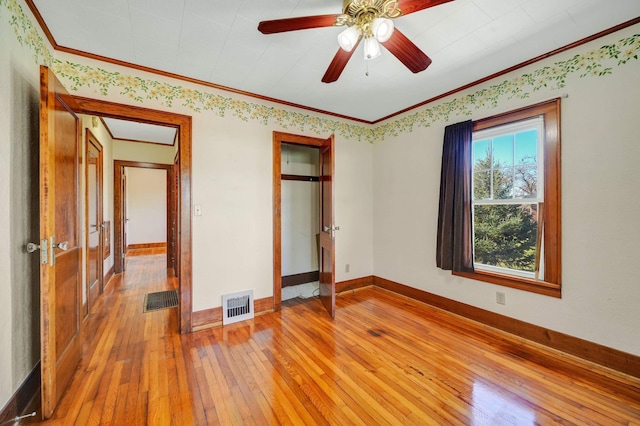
point(385, 359)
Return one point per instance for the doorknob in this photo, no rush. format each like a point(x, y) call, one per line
point(32, 247)
point(331, 230)
point(62, 246)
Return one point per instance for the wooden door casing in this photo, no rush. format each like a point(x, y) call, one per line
point(183, 124)
point(175, 231)
point(61, 276)
point(278, 139)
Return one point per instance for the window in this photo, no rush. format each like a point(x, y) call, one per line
point(507, 197)
point(516, 199)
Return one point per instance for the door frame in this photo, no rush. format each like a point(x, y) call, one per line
point(119, 196)
point(278, 139)
point(172, 228)
point(91, 139)
point(183, 124)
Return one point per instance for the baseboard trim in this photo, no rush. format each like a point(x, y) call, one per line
point(213, 317)
point(25, 399)
point(354, 284)
point(207, 318)
point(605, 356)
point(146, 245)
point(108, 276)
point(263, 306)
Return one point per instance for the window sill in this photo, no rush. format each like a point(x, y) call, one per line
point(534, 286)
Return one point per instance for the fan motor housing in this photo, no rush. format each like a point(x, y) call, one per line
point(373, 8)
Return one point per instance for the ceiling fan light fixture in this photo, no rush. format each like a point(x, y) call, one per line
point(371, 48)
point(348, 38)
point(382, 29)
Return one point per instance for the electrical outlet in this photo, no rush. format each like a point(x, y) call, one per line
point(500, 298)
point(346, 267)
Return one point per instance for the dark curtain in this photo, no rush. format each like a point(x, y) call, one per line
point(454, 250)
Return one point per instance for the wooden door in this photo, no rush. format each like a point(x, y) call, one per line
point(125, 221)
point(60, 267)
point(327, 228)
point(94, 218)
point(119, 217)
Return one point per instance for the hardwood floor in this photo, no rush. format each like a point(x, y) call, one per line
point(384, 359)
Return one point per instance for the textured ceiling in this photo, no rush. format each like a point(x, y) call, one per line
point(218, 42)
point(140, 132)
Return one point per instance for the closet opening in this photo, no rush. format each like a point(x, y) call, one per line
point(300, 221)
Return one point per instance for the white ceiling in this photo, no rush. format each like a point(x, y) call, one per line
point(140, 132)
point(218, 41)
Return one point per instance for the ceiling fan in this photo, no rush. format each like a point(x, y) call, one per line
point(368, 19)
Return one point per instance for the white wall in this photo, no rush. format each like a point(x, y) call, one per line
point(108, 191)
point(19, 273)
point(300, 218)
point(300, 210)
point(600, 177)
point(146, 200)
point(144, 152)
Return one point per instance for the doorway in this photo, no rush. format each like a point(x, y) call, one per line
point(325, 226)
point(123, 210)
point(183, 214)
point(300, 182)
point(94, 223)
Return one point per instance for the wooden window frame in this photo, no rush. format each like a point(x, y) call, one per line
point(551, 285)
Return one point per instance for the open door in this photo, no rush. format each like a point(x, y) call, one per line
point(93, 214)
point(327, 228)
point(60, 246)
point(125, 221)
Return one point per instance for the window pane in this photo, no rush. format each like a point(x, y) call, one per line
point(503, 151)
point(482, 185)
point(526, 185)
point(505, 236)
point(481, 155)
point(527, 147)
point(503, 183)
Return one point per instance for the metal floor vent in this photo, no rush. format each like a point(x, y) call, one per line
point(160, 300)
point(237, 307)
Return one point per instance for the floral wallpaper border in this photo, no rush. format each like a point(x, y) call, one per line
point(595, 63)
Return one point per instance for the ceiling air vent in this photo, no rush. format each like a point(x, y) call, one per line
point(237, 307)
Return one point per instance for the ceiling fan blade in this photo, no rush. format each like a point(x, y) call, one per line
point(338, 63)
point(410, 6)
point(294, 24)
point(407, 52)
